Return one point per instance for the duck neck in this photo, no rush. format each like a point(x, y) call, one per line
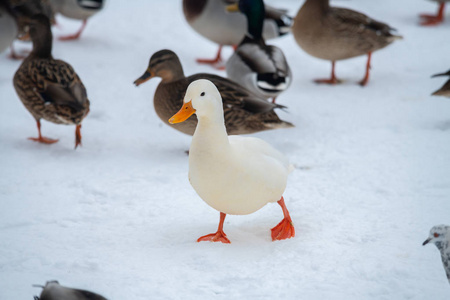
point(320, 6)
point(174, 72)
point(42, 44)
point(211, 133)
point(255, 20)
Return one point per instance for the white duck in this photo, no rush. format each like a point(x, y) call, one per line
point(232, 174)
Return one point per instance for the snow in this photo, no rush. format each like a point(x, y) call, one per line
point(119, 217)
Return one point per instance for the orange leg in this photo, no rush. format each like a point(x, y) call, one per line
point(74, 36)
point(332, 80)
point(219, 236)
point(78, 136)
point(215, 62)
point(364, 81)
point(42, 139)
point(429, 20)
point(284, 229)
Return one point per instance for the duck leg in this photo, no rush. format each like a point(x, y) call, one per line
point(219, 236)
point(284, 229)
point(215, 62)
point(74, 36)
point(42, 139)
point(332, 80)
point(364, 81)
point(429, 20)
point(78, 136)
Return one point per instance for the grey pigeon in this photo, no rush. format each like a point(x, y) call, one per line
point(54, 291)
point(440, 236)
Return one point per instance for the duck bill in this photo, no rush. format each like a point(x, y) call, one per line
point(233, 7)
point(145, 77)
point(183, 114)
point(426, 242)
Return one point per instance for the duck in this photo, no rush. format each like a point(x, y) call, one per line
point(431, 20)
point(49, 88)
point(8, 27)
point(54, 291)
point(79, 10)
point(21, 11)
point(259, 67)
point(244, 111)
point(445, 89)
point(233, 174)
point(440, 236)
point(333, 33)
point(210, 19)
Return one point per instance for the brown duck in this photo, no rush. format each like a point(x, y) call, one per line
point(333, 33)
point(49, 88)
point(244, 112)
point(445, 89)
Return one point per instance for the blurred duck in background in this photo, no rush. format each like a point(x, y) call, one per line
point(49, 88)
point(445, 89)
point(429, 20)
point(259, 67)
point(333, 33)
point(22, 11)
point(8, 27)
point(79, 10)
point(244, 111)
point(54, 291)
point(210, 19)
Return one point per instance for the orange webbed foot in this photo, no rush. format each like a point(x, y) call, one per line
point(284, 230)
point(219, 236)
point(43, 140)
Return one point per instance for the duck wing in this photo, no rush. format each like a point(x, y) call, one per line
point(57, 83)
point(235, 95)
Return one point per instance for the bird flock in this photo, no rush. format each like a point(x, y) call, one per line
point(233, 174)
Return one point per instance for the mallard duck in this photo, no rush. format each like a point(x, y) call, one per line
point(79, 10)
point(333, 33)
point(261, 68)
point(210, 19)
point(244, 111)
point(232, 174)
point(54, 291)
point(8, 27)
point(22, 11)
point(49, 88)
point(440, 236)
point(445, 89)
point(428, 19)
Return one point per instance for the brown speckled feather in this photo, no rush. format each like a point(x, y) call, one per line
point(50, 89)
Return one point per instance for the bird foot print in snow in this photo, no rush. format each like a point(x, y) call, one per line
point(284, 230)
point(43, 140)
point(219, 236)
point(328, 81)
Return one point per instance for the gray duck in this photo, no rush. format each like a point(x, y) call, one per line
point(244, 111)
point(54, 291)
point(334, 33)
point(49, 88)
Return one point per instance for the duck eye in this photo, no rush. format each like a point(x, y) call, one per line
point(202, 94)
point(436, 235)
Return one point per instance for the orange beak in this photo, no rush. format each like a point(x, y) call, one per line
point(183, 114)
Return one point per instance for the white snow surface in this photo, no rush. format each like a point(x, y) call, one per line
point(119, 217)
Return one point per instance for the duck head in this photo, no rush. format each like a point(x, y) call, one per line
point(439, 235)
point(164, 64)
point(203, 99)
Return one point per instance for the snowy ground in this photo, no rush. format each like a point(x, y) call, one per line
point(119, 217)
